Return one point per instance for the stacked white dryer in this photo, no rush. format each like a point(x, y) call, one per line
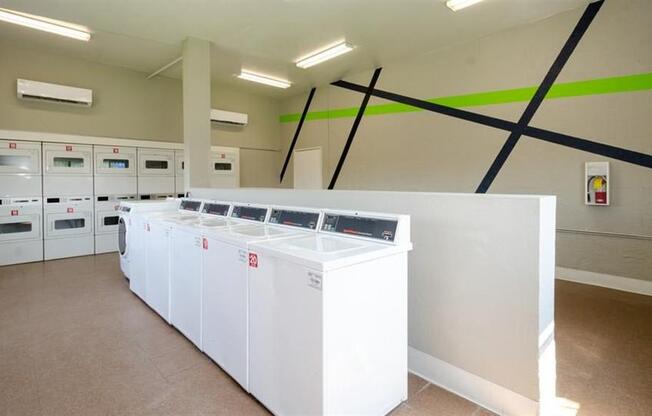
point(115, 181)
point(68, 193)
point(21, 204)
point(224, 169)
point(156, 173)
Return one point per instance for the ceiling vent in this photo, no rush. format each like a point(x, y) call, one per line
point(229, 117)
point(53, 93)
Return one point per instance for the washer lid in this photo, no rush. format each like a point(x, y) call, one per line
point(325, 252)
point(242, 234)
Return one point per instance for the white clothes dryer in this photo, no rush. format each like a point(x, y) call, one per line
point(107, 218)
point(115, 170)
point(21, 238)
point(67, 170)
point(155, 172)
point(68, 227)
point(20, 169)
point(131, 229)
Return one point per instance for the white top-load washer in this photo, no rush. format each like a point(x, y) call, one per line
point(155, 173)
point(225, 287)
point(115, 170)
point(131, 229)
point(107, 218)
point(21, 238)
point(68, 223)
point(186, 267)
point(67, 170)
point(187, 209)
point(159, 252)
point(328, 317)
point(20, 169)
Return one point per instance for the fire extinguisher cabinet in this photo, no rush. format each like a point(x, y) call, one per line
point(596, 183)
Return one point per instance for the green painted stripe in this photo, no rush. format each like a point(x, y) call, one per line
point(611, 85)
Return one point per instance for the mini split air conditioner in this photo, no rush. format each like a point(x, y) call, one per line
point(43, 91)
point(229, 117)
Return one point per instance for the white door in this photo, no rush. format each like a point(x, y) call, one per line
point(308, 169)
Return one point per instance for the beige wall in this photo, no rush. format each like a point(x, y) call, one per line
point(127, 105)
point(424, 151)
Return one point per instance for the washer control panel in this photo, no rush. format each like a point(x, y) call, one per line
point(190, 205)
point(300, 219)
point(367, 227)
point(216, 209)
point(249, 213)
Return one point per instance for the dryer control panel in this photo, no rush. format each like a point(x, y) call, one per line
point(300, 219)
point(367, 227)
point(216, 209)
point(249, 213)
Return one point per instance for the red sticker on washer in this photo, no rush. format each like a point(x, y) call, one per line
point(253, 260)
point(68, 148)
point(204, 243)
point(70, 210)
point(12, 145)
point(14, 212)
point(116, 150)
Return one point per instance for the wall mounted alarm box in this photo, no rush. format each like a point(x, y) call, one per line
point(596, 183)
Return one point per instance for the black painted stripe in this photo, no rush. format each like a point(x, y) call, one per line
point(354, 128)
point(614, 152)
point(602, 149)
point(296, 133)
point(554, 71)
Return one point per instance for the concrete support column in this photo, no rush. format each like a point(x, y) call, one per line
point(196, 112)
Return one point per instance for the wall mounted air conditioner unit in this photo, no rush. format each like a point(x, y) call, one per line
point(229, 117)
point(43, 91)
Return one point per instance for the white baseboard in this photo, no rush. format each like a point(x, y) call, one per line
point(491, 396)
point(610, 281)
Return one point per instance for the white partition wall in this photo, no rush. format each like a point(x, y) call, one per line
point(481, 287)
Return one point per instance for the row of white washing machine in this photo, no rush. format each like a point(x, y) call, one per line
point(305, 308)
point(60, 200)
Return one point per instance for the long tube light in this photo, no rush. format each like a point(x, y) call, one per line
point(264, 79)
point(319, 56)
point(456, 5)
point(46, 25)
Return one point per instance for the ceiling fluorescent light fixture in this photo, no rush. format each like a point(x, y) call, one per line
point(44, 24)
point(456, 5)
point(264, 79)
point(324, 54)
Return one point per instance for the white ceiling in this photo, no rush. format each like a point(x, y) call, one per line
point(269, 35)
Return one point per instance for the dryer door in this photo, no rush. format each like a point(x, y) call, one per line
point(68, 224)
point(106, 222)
point(20, 157)
point(115, 161)
point(64, 159)
point(152, 162)
point(20, 227)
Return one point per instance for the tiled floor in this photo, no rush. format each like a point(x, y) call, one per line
point(75, 341)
